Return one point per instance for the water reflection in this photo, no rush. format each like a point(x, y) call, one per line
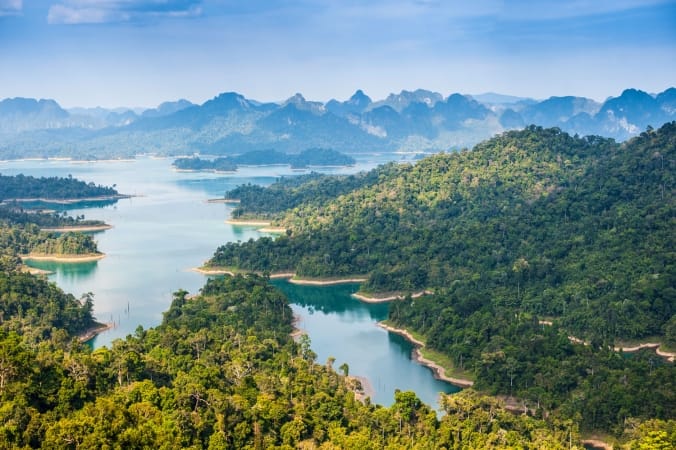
point(60, 207)
point(334, 299)
point(66, 273)
point(346, 329)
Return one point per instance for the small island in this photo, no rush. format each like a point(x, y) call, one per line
point(315, 157)
point(34, 234)
point(25, 188)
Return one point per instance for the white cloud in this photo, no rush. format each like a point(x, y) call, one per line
point(115, 11)
point(10, 7)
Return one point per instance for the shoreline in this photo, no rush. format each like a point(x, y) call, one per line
point(35, 270)
point(78, 228)
point(438, 371)
point(367, 299)
point(64, 258)
point(249, 223)
point(272, 230)
point(324, 282)
point(297, 330)
point(367, 390)
point(669, 356)
point(280, 275)
point(68, 201)
point(351, 380)
point(91, 333)
point(223, 200)
point(215, 271)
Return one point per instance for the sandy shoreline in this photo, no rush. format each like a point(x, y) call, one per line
point(297, 330)
point(222, 200)
point(35, 270)
point(273, 230)
point(279, 275)
point(366, 387)
point(248, 223)
point(78, 228)
point(65, 258)
point(652, 345)
point(439, 372)
point(215, 271)
point(95, 331)
point(367, 299)
point(327, 282)
point(669, 356)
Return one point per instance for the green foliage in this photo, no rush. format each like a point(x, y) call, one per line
point(14, 214)
point(289, 192)
point(37, 309)
point(28, 187)
point(195, 163)
point(651, 435)
point(530, 224)
point(27, 238)
point(67, 244)
point(220, 372)
point(309, 157)
point(554, 225)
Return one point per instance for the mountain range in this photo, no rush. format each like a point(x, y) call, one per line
point(419, 121)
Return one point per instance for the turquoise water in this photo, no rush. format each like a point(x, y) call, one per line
point(344, 328)
point(169, 228)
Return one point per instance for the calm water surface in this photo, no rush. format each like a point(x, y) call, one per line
point(169, 228)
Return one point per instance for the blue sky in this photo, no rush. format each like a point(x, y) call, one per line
point(142, 52)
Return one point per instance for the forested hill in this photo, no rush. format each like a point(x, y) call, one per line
point(221, 372)
point(576, 228)
point(55, 188)
point(311, 189)
point(531, 237)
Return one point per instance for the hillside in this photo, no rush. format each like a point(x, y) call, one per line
point(524, 213)
point(221, 371)
point(531, 225)
point(288, 192)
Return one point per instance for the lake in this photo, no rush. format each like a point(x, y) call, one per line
point(169, 228)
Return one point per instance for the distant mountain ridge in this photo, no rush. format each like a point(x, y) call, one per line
point(231, 124)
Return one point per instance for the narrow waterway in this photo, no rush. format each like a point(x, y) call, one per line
point(169, 228)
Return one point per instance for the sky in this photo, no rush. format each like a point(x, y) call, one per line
point(139, 53)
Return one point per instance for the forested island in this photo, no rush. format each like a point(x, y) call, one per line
point(309, 157)
point(27, 240)
point(57, 189)
point(16, 214)
point(532, 243)
point(29, 233)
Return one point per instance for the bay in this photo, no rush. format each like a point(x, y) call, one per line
point(169, 228)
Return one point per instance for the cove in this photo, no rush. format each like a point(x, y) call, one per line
point(168, 228)
point(344, 328)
